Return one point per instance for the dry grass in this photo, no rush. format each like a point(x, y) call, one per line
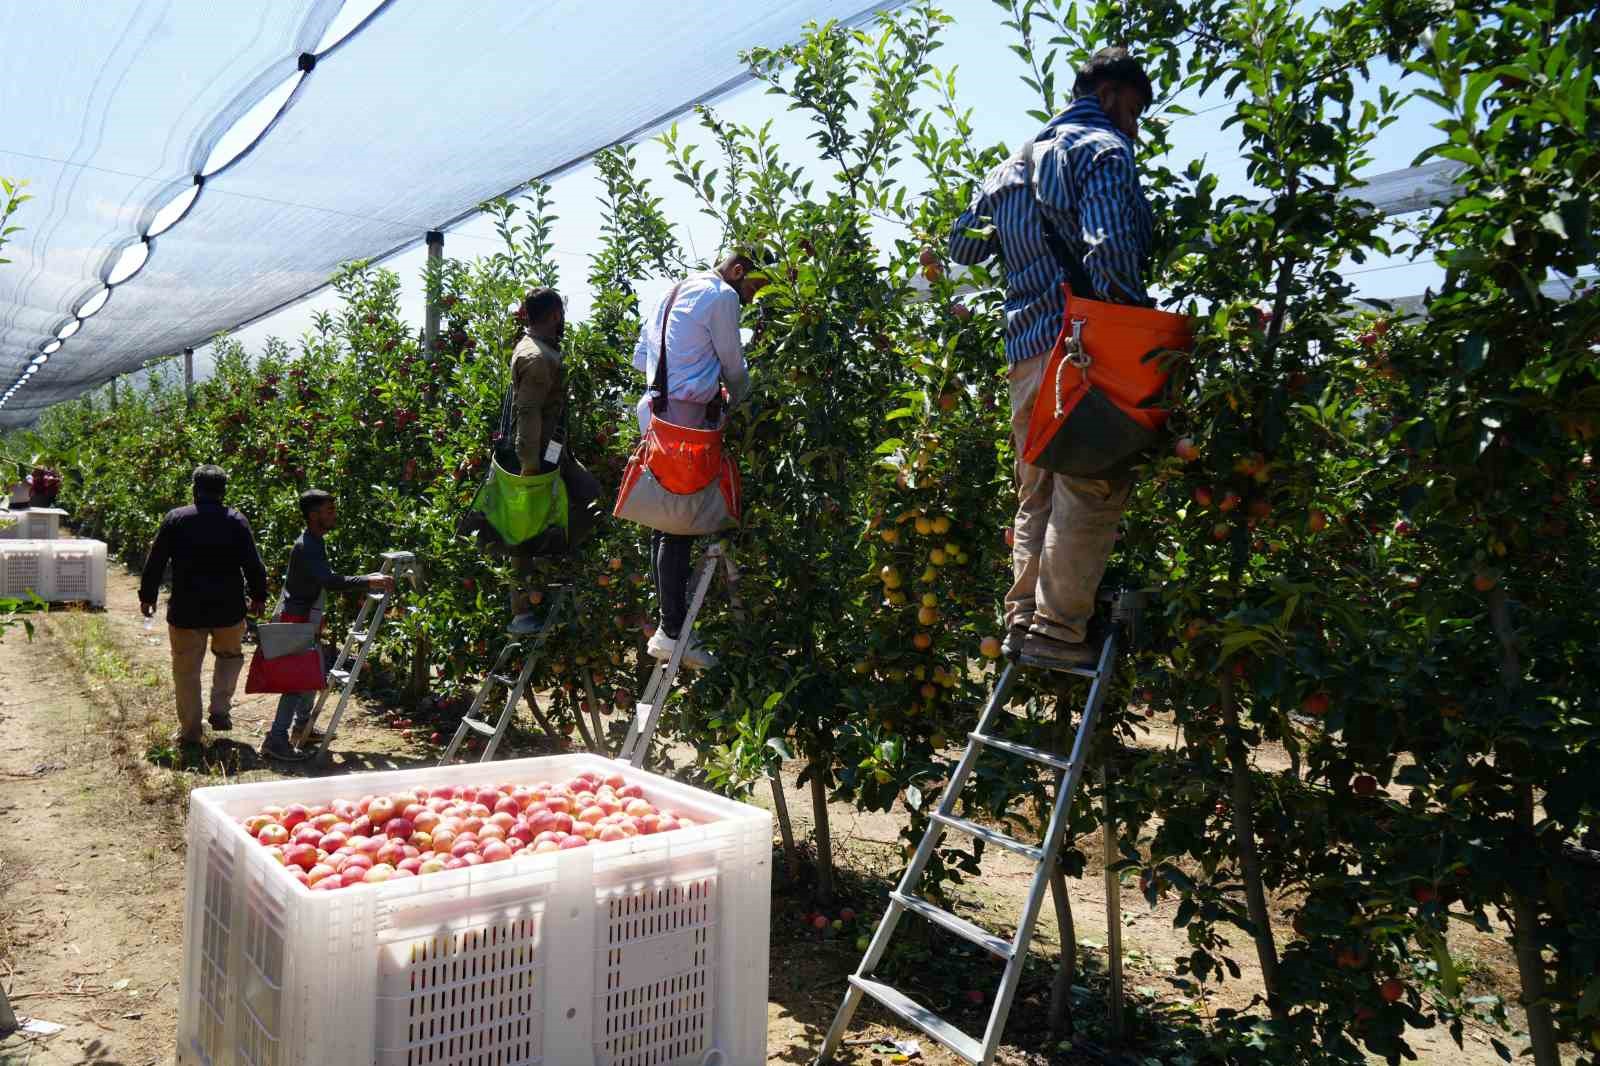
point(132, 717)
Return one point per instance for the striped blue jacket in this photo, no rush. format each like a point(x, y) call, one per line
point(1089, 185)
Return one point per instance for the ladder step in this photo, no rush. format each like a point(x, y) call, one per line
point(999, 839)
point(358, 635)
point(478, 726)
point(339, 678)
point(1024, 751)
point(1076, 671)
point(505, 679)
point(922, 1018)
point(956, 924)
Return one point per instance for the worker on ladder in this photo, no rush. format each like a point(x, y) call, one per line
point(1068, 218)
point(538, 501)
point(690, 352)
point(305, 588)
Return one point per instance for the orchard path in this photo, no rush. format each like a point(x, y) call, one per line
point(92, 852)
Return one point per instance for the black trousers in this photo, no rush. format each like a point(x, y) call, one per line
point(669, 569)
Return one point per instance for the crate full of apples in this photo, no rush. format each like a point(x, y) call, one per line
point(565, 909)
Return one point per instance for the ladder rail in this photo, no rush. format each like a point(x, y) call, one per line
point(647, 712)
point(1069, 775)
point(528, 656)
point(1012, 977)
point(357, 644)
point(919, 863)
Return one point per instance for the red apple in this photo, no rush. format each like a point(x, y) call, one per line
point(274, 834)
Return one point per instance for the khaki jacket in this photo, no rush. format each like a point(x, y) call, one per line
point(538, 394)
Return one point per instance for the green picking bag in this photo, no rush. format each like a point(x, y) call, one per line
point(528, 513)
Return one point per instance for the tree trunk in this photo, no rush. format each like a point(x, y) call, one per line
point(1244, 831)
point(1524, 914)
point(819, 808)
point(780, 803)
point(1061, 991)
point(418, 684)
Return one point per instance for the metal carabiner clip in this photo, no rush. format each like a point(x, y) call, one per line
point(1077, 357)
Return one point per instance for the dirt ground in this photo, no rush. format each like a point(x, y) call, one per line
point(92, 854)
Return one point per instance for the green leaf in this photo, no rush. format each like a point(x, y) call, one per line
point(1552, 221)
point(1449, 976)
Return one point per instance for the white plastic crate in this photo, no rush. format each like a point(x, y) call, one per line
point(78, 572)
point(26, 566)
point(37, 523)
point(650, 951)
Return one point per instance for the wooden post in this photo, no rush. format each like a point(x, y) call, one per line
point(430, 322)
point(113, 394)
point(188, 378)
point(8, 1019)
point(1116, 1020)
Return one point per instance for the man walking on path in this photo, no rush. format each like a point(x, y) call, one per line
point(1081, 196)
point(700, 317)
point(214, 560)
point(304, 588)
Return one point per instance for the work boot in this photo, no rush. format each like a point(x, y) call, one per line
point(1048, 653)
point(1011, 647)
point(525, 624)
point(282, 750)
point(303, 734)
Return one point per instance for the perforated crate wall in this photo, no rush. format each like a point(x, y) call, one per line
point(25, 566)
point(472, 995)
point(658, 944)
point(79, 572)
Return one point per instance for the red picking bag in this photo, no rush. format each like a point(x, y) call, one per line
point(296, 671)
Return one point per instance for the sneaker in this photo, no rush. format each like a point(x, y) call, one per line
point(525, 625)
point(222, 723)
point(695, 655)
point(660, 644)
point(281, 750)
point(1011, 647)
point(1048, 653)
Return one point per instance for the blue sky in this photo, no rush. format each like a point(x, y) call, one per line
point(988, 81)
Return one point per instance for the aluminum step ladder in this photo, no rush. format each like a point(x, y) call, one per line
point(357, 644)
point(511, 671)
point(981, 1051)
point(647, 712)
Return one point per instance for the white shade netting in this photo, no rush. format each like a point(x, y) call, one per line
point(404, 125)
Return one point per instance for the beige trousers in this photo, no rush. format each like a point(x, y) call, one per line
point(1064, 532)
point(188, 656)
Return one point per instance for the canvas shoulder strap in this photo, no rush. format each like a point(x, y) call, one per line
point(1077, 276)
point(658, 385)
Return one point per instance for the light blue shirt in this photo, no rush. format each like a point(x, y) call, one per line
point(703, 346)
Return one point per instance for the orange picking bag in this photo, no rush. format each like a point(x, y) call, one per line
point(1093, 415)
point(679, 479)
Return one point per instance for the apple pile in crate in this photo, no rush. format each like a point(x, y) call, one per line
point(426, 830)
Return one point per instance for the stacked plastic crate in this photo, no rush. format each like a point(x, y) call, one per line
point(36, 560)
